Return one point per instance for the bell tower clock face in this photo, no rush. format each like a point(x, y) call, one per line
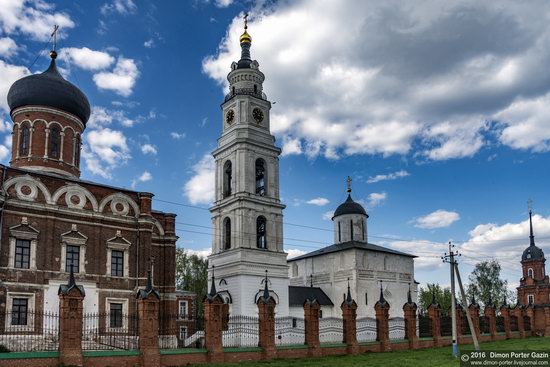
point(258, 115)
point(230, 117)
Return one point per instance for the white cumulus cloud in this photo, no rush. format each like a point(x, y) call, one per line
point(104, 150)
point(376, 199)
point(86, 58)
point(121, 80)
point(123, 7)
point(176, 135)
point(438, 219)
point(8, 47)
point(149, 149)
point(292, 252)
point(389, 176)
point(8, 75)
point(425, 75)
point(200, 188)
point(318, 201)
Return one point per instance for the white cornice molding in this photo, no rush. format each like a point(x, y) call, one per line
point(27, 109)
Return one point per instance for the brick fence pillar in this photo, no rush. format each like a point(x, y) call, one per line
point(517, 311)
point(349, 316)
point(505, 313)
point(490, 318)
point(382, 309)
point(473, 309)
point(547, 320)
point(266, 319)
point(311, 320)
point(213, 324)
point(434, 313)
point(409, 314)
point(530, 311)
point(71, 297)
point(148, 316)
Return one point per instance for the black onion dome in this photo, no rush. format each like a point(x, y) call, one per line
point(349, 207)
point(49, 89)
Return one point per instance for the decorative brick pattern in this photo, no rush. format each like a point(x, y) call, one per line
point(490, 316)
point(382, 317)
point(434, 313)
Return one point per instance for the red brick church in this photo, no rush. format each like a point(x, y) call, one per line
point(52, 220)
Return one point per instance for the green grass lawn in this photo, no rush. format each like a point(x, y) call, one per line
point(405, 358)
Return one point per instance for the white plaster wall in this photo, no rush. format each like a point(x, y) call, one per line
point(51, 299)
point(350, 223)
point(365, 269)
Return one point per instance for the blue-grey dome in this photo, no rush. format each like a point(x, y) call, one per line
point(349, 207)
point(532, 253)
point(49, 89)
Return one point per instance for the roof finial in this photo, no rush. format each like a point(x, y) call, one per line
point(409, 298)
point(245, 37)
point(349, 300)
point(531, 235)
point(348, 181)
point(266, 289)
point(382, 299)
point(213, 291)
point(53, 52)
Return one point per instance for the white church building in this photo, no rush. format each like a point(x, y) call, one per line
point(247, 222)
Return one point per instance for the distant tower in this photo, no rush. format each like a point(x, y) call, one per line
point(49, 116)
point(534, 287)
point(350, 220)
point(247, 216)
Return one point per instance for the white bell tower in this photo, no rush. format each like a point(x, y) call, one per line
point(247, 216)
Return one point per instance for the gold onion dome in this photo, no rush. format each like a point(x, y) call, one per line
point(245, 37)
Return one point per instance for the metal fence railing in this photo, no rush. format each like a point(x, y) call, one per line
point(241, 331)
point(29, 331)
point(500, 324)
point(514, 323)
point(446, 326)
point(110, 331)
point(424, 326)
point(177, 331)
point(289, 331)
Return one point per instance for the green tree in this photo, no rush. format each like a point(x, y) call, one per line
point(442, 296)
point(192, 275)
point(486, 284)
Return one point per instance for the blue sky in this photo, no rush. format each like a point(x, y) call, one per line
point(439, 112)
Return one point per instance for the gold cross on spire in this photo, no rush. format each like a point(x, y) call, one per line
point(54, 36)
point(245, 21)
point(348, 181)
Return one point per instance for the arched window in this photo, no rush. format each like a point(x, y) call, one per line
point(366, 298)
point(261, 237)
point(255, 89)
point(363, 228)
point(385, 263)
point(351, 229)
point(24, 149)
point(76, 151)
point(227, 234)
point(294, 270)
point(227, 177)
point(530, 273)
point(54, 143)
point(339, 232)
point(260, 177)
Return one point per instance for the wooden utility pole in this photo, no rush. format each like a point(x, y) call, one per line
point(464, 302)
